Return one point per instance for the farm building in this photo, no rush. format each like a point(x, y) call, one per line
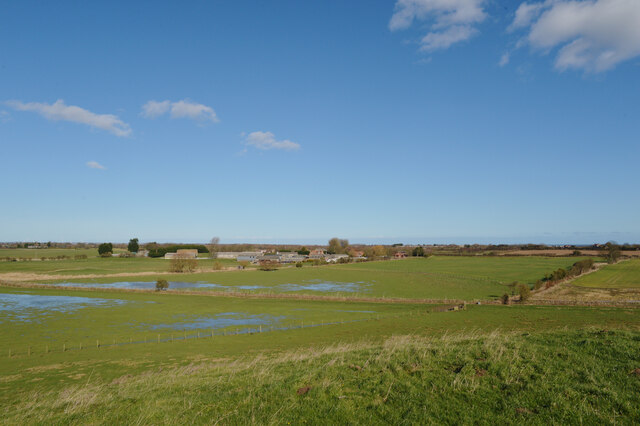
point(291, 257)
point(334, 258)
point(400, 254)
point(183, 253)
point(228, 255)
point(248, 256)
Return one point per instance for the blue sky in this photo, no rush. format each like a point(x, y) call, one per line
point(296, 121)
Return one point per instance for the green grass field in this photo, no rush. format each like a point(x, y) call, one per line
point(49, 252)
point(101, 266)
point(625, 274)
point(460, 278)
point(171, 357)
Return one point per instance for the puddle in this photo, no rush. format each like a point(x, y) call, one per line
point(311, 285)
point(223, 320)
point(25, 306)
point(325, 286)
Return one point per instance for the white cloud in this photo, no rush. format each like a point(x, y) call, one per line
point(267, 140)
point(450, 21)
point(95, 165)
point(180, 109)
point(153, 109)
point(525, 14)
point(593, 35)
point(58, 111)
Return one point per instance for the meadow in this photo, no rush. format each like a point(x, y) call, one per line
point(446, 277)
point(109, 356)
point(625, 274)
point(101, 266)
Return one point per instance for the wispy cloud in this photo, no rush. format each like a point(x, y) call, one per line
point(59, 111)
point(95, 165)
point(504, 59)
point(179, 109)
point(5, 117)
point(267, 140)
point(592, 35)
point(449, 21)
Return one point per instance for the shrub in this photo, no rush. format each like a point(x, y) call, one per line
point(162, 285)
point(155, 251)
point(127, 254)
point(243, 263)
point(268, 265)
point(80, 256)
point(538, 285)
point(504, 299)
point(106, 254)
point(182, 264)
point(418, 251)
point(524, 291)
point(105, 248)
point(217, 266)
point(298, 264)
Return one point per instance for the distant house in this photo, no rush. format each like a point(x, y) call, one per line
point(316, 254)
point(142, 253)
point(356, 253)
point(400, 254)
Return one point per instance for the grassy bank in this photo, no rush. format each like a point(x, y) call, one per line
point(554, 377)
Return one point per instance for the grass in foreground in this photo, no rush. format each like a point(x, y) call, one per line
point(561, 377)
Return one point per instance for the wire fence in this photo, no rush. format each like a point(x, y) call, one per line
point(187, 335)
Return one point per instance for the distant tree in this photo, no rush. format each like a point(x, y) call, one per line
point(133, 246)
point(504, 299)
point(298, 264)
point(524, 291)
point(217, 266)
point(105, 248)
point(243, 263)
point(49, 244)
point(513, 286)
point(213, 247)
point(612, 252)
point(337, 246)
point(162, 285)
point(304, 251)
point(418, 251)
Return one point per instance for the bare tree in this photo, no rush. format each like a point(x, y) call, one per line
point(213, 247)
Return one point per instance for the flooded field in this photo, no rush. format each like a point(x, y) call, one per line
point(309, 285)
point(25, 307)
point(219, 321)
